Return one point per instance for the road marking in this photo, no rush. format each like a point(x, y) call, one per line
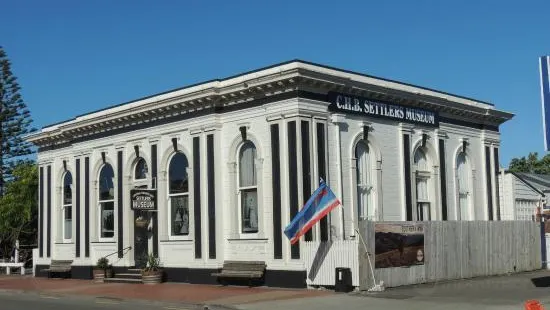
point(49, 297)
point(175, 308)
point(107, 302)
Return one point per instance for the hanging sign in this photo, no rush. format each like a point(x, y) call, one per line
point(143, 199)
point(373, 108)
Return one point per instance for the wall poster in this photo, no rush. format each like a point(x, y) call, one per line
point(398, 245)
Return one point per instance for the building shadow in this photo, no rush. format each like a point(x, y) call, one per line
point(320, 255)
point(541, 281)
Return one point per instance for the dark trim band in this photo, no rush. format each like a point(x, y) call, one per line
point(443, 173)
point(276, 186)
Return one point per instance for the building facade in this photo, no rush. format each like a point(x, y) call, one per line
point(215, 171)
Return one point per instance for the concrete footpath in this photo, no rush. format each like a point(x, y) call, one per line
point(504, 292)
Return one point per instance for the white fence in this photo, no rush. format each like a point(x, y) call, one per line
point(322, 258)
point(456, 250)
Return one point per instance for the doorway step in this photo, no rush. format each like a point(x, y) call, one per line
point(129, 276)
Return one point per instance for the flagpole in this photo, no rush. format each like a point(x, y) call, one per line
point(376, 287)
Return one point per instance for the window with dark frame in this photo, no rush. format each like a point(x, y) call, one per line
point(178, 195)
point(107, 202)
point(248, 188)
point(67, 206)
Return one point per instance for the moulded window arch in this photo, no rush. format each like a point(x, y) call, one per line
point(106, 202)
point(463, 186)
point(178, 194)
point(247, 185)
point(422, 184)
point(67, 206)
point(365, 181)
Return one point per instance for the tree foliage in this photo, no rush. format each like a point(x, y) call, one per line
point(531, 164)
point(18, 208)
point(15, 122)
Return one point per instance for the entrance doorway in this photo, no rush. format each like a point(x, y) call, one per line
point(142, 234)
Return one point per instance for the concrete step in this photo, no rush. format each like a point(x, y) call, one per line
point(128, 275)
point(122, 280)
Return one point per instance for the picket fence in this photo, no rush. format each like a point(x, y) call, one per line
point(321, 259)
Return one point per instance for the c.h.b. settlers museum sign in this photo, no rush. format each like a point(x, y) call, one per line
point(367, 107)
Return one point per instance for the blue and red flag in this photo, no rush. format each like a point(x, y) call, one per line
point(318, 206)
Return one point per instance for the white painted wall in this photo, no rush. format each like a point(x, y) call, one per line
point(342, 133)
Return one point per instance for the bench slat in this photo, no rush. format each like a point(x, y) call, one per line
point(62, 266)
point(242, 269)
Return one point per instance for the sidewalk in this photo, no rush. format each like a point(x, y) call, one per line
point(228, 296)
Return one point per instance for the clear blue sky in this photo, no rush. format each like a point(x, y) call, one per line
point(73, 57)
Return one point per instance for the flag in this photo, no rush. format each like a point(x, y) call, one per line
point(318, 206)
point(544, 63)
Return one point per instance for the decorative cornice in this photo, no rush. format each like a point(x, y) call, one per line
point(217, 96)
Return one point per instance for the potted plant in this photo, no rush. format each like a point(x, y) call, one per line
point(102, 270)
point(152, 273)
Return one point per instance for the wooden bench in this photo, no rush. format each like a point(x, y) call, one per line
point(59, 266)
point(9, 266)
point(250, 270)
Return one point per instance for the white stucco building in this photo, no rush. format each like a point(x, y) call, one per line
point(230, 161)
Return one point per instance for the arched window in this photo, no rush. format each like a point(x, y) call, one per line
point(365, 186)
point(422, 181)
point(67, 206)
point(141, 170)
point(248, 188)
point(463, 180)
point(178, 194)
point(107, 202)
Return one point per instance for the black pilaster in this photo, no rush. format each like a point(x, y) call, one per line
point(41, 213)
point(293, 182)
point(211, 197)
point(408, 185)
point(197, 196)
point(489, 182)
point(443, 171)
point(77, 209)
point(276, 185)
point(49, 212)
point(120, 208)
point(87, 207)
point(497, 169)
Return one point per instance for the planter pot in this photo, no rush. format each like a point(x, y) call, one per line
point(151, 277)
point(109, 273)
point(99, 275)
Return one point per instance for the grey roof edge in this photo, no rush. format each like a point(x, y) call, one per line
point(522, 179)
point(504, 113)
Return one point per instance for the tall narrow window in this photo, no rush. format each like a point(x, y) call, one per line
point(107, 202)
point(463, 175)
point(248, 188)
point(67, 206)
point(178, 195)
point(141, 170)
point(365, 205)
point(422, 179)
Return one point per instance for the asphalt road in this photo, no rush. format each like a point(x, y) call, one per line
point(13, 300)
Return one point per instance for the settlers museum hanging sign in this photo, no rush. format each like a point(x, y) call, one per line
point(364, 106)
point(143, 199)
